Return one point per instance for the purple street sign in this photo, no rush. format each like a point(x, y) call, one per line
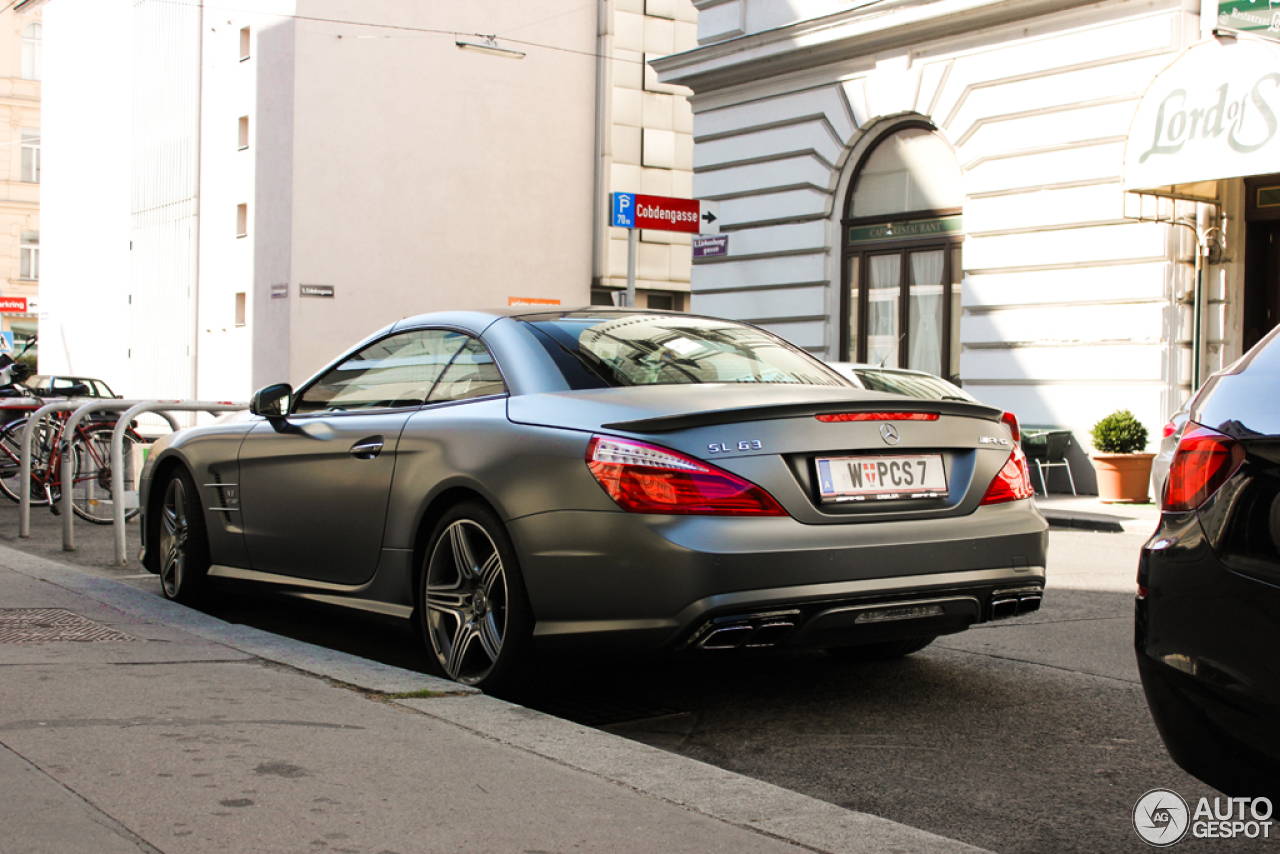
point(710, 245)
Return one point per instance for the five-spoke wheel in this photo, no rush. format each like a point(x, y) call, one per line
point(183, 547)
point(474, 614)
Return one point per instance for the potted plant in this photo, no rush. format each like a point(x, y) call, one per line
point(1123, 473)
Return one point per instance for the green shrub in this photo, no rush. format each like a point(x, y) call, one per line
point(1119, 433)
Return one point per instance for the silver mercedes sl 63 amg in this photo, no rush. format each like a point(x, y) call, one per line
point(530, 485)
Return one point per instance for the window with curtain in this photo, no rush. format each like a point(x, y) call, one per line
point(902, 236)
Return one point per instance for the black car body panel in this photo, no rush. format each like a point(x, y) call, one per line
point(1208, 614)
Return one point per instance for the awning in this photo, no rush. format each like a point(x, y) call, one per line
point(1213, 114)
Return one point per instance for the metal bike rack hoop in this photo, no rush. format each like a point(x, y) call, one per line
point(64, 451)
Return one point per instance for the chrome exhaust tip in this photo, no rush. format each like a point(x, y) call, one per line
point(730, 637)
point(1015, 603)
point(1004, 608)
point(748, 630)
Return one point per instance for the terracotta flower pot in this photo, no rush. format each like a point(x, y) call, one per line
point(1123, 478)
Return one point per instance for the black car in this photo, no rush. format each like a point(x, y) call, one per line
point(1208, 606)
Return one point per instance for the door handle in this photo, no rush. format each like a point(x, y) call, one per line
point(367, 449)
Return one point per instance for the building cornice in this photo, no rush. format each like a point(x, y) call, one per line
point(862, 31)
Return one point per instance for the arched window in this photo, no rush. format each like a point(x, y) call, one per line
point(901, 245)
point(32, 35)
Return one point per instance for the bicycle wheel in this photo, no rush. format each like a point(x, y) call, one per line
point(11, 460)
point(92, 497)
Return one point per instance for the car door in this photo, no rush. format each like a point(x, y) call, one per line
point(314, 485)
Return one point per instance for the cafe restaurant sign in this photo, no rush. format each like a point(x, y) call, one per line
point(1261, 17)
point(1214, 113)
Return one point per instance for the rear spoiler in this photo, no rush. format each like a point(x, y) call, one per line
point(886, 403)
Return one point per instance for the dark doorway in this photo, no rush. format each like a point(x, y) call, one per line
point(1261, 258)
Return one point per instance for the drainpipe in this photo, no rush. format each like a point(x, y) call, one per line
point(604, 150)
point(1197, 317)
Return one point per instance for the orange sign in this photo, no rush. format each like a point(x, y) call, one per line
point(531, 301)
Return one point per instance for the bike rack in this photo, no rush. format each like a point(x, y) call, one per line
point(80, 407)
point(76, 405)
point(117, 458)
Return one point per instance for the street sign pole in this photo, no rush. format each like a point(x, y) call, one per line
point(633, 244)
point(634, 212)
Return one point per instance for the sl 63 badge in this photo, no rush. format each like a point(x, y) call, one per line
point(744, 445)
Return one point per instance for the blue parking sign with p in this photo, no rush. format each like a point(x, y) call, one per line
point(624, 210)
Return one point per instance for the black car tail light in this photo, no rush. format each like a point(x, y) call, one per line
point(1013, 482)
point(644, 478)
point(1204, 461)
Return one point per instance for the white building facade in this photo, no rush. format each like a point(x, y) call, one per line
point(249, 191)
point(942, 186)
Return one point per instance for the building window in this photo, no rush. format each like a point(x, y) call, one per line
point(244, 132)
point(31, 156)
point(29, 256)
point(602, 297)
point(663, 302)
point(240, 309)
point(902, 270)
point(32, 36)
point(244, 44)
point(242, 220)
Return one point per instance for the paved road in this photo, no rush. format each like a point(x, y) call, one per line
point(1029, 735)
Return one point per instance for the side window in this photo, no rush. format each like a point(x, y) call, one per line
point(397, 371)
point(471, 374)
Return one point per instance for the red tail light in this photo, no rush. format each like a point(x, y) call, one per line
point(1169, 430)
point(644, 478)
point(1011, 421)
point(878, 416)
point(1013, 483)
point(1205, 459)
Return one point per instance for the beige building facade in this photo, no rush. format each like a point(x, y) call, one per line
point(21, 54)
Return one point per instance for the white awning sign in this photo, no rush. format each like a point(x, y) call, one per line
point(1214, 113)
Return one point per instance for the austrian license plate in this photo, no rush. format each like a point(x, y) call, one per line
point(881, 478)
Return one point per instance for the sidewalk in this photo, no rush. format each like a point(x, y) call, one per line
point(131, 724)
point(1088, 513)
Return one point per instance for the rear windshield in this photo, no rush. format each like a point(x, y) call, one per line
point(912, 385)
point(602, 350)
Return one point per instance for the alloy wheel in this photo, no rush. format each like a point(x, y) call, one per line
point(174, 529)
point(466, 601)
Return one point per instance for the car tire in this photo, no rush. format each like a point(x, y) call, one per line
point(474, 613)
point(182, 540)
point(885, 651)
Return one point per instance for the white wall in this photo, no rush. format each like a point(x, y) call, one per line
point(85, 186)
point(428, 177)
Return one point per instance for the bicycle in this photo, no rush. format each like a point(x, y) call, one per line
point(91, 493)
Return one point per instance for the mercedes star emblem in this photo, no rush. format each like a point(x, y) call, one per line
point(889, 433)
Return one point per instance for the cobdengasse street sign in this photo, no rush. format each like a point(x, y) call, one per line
point(634, 211)
point(664, 213)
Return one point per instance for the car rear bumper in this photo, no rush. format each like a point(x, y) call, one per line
point(1206, 638)
point(618, 582)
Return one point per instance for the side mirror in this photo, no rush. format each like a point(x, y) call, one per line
point(273, 401)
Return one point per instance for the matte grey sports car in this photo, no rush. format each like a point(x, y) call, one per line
point(531, 484)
